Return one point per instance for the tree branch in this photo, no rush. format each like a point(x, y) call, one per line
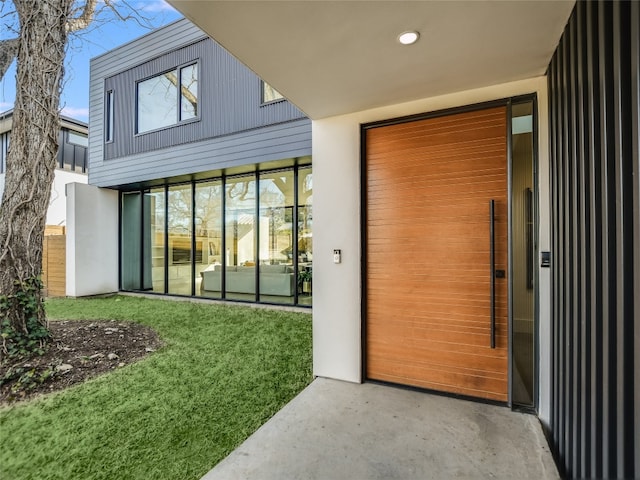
point(186, 93)
point(84, 19)
point(8, 51)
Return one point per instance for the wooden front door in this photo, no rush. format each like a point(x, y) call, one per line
point(428, 308)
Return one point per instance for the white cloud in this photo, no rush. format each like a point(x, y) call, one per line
point(75, 112)
point(155, 6)
point(5, 106)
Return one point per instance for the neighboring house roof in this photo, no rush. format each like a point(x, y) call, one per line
point(71, 162)
point(6, 120)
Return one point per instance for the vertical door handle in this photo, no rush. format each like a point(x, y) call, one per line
point(492, 262)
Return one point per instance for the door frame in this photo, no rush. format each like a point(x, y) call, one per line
point(504, 102)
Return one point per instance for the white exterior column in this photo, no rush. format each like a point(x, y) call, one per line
point(92, 240)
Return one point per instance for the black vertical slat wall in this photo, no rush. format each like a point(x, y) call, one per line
point(594, 100)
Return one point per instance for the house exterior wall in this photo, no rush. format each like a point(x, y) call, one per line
point(92, 240)
point(57, 211)
point(71, 156)
point(337, 321)
point(233, 127)
point(289, 140)
point(235, 133)
point(70, 164)
point(594, 91)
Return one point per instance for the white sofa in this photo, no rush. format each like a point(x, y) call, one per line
point(274, 279)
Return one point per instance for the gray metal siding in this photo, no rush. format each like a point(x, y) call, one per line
point(594, 88)
point(230, 106)
point(152, 45)
point(275, 142)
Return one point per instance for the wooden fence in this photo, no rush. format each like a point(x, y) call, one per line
point(54, 260)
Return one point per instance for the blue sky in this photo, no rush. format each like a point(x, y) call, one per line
point(105, 34)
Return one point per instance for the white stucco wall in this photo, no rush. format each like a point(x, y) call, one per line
point(57, 212)
point(92, 240)
point(337, 342)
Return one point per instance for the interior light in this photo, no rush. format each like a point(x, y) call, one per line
point(408, 38)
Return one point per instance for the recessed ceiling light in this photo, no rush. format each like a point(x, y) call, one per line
point(408, 38)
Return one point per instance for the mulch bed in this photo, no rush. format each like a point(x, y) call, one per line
point(80, 350)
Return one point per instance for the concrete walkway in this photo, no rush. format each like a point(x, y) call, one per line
point(335, 430)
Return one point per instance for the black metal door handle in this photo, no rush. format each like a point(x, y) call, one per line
point(492, 261)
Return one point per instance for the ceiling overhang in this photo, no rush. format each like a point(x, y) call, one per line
point(337, 57)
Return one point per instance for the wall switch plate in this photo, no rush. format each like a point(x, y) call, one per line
point(337, 256)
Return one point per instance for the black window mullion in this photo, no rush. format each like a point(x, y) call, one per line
point(193, 238)
point(223, 253)
point(166, 239)
point(141, 279)
point(256, 235)
point(294, 221)
point(120, 240)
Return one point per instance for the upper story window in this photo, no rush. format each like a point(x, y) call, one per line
point(270, 94)
point(167, 99)
point(78, 138)
point(72, 156)
point(108, 115)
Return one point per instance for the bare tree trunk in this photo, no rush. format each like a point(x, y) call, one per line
point(31, 161)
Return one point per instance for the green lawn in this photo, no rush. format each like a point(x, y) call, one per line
point(222, 373)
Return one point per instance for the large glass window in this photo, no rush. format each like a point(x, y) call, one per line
point(245, 237)
point(277, 276)
point(240, 238)
point(208, 221)
point(158, 103)
point(179, 223)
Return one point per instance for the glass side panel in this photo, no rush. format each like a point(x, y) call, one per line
point(209, 239)
point(305, 236)
point(130, 216)
point(240, 254)
point(277, 276)
point(179, 226)
point(154, 259)
point(523, 247)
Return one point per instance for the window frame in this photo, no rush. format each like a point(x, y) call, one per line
point(178, 121)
